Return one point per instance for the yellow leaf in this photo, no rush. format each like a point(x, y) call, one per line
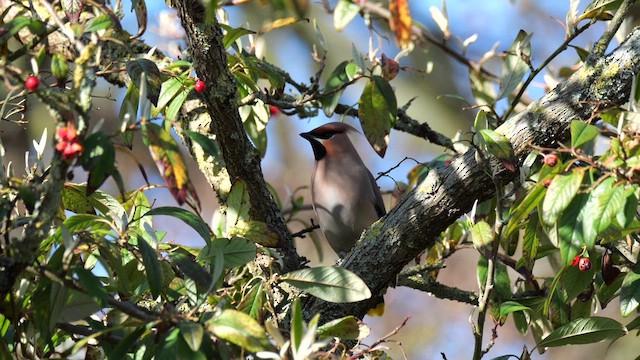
point(400, 22)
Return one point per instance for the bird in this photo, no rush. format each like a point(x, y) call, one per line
point(345, 196)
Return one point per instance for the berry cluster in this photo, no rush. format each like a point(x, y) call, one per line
point(69, 144)
point(583, 263)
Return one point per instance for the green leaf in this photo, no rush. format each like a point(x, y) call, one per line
point(530, 243)
point(377, 110)
point(482, 235)
point(509, 307)
point(606, 205)
point(257, 231)
point(514, 67)
point(575, 281)
point(237, 204)
point(344, 12)
point(168, 91)
point(92, 285)
point(297, 324)
point(346, 328)
point(501, 282)
point(98, 157)
point(496, 144)
point(191, 269)
point(176, 104)
point(232, 35)
point(235, 251)
point(570, 229)
point(240, 329)
point(582, 133)
point(135, 69)
point(128, 114)
point(122, 348)
point(522, 210)
point(337, 80)
point(75, 200)
point(333, 284)
point(192, 333)
point(630, 292)
point(187, 217)
point(598, 9)
point(561, 192)
point(151, 266)
point(100, 22)
point(584, 331)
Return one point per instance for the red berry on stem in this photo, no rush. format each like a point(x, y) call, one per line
point(32, 83)
point(575, 260)
point(550, 159)
point(200, 86)
point(274, 110)
point(584, 264)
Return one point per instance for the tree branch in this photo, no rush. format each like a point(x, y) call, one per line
point(449, 192)
point(241, 158)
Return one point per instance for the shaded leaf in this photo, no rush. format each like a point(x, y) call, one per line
point(256, 231)
point(191, 269)
point(522, 210)
point(509, 307)
point(187, 217)
point(337, 80)
point(377, 110)
point(496, 144)
point(584, 331)
point(235, 251)
point(153, 80)
point(99, 159)
point(192, 333)
point(630, 292)
point(333, 284)
point(151, 266)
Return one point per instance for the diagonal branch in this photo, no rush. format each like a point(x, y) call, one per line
point(449, 192)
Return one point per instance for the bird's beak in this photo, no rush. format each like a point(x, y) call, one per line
point(307, 136)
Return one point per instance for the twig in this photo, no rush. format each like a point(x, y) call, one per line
point(437, 289)
point(601, 46)
point(301, 233)
point(535, 72)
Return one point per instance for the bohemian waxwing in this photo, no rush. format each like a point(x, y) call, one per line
point(345, 195)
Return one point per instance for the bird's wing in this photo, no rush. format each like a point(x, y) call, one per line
point(378, 202)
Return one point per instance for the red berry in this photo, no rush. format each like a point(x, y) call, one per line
point(32, 83)
point(584, 264)
point(550, 160)
point(200, 86)
point(274, 110)
point(575, 260)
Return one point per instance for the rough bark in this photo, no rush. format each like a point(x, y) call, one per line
point(241, 158)
point(448, 193)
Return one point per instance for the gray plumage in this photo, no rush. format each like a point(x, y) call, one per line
point(345, 195)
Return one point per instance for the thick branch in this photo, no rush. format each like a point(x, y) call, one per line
point(241, 158)
point(449, 192)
